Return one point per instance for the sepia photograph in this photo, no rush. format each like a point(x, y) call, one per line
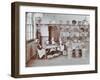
point(56, 39)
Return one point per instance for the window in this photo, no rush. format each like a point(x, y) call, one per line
point(29, 26)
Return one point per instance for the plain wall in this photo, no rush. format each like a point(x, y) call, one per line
point(64, 18)
point(5, 40)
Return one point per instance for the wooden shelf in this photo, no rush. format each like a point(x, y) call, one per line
point(60, 24)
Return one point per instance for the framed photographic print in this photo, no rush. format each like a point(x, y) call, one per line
point(53, 39)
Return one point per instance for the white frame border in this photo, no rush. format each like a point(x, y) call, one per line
point(53, 69)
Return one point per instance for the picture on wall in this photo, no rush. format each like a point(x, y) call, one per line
point(53, 39)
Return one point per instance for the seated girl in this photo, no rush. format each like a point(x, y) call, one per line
point(41, 52)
